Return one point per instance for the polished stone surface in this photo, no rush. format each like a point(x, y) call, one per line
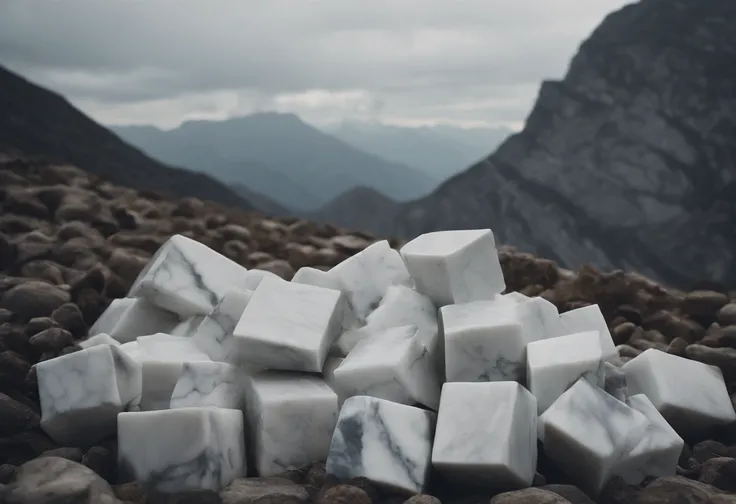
point(386, 442)
point(554, 364)
point(288, 326)
point(486, 435)
point(690, 395)
point(81, 393)
point(99, 339)
point(290, 417)
point(590, 318)
point(458, 266)
point(392, 364)
point(182, 449)
point(214, 335)
point(127, 318)
point(208, 384)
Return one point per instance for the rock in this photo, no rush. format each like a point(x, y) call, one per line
point(529, 496)
point(727, 314)
point(422, 499)
point(70, 317)
point(102, 461)
point(7, 474)
point(264, 490)
point(344, 494)
point(38, 324)
point(719, 472)
point(704, 303)
point(676, 489)
point(65, 452)
point(706, 450)
point(724, 358)
point(16, 417)
point(33, 299)
point(52, 339)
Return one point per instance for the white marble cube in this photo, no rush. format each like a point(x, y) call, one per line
point(99, 339)
point(554, 364)
point(657, 453)
point(291, 417)
point(214, 335)
point(126, 319)
point(316, 277)
point(187, 327)
point(288, 326)
point(386, 442)
point(458, 266)
point(367, 275)
point(252, 278)
point(182, 449)
point(590, 318)
point(81, 393)
point(208, 384)
point(486, 435)
point(392, 364)
point(187, 277)
point(612, 379)
point(690, 395)
point(588, 433)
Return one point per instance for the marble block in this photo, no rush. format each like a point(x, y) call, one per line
point(484, 341)
point(367, 275)
point(187, 327)
point(288, 326)
point(81, 393)
point(132, 349)
point(517, 297)
point(455, 266)
point(690, 395)
point(328, 373)
point(187, 277)
point(252, 278)
point(612, 379)
point(291, 417)
point(588, 433)
point(659, 449)
point(99, 339)
point(386, 442)
point(127, 318)
point(318, 278)
point(554, 364)
point(590, 318)
point(208, 384)
point(182, 449)
point(214, 335)
point(486, 435)
point(393, 365)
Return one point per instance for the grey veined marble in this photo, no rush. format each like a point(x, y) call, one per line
point(208, 384)
point(126, 319)
point(182, 449)
point(81, 393)
point(487, 435)
point(590, 318)
point(214, 335)
point(386, 442)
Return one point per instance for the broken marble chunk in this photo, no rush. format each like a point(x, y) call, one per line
point(458, 266)
point(392, 364)
point(208, 384)
point(214, 335)
point(590, 318)
point(588, 433)
point(182, 449)
point(386, 442)
point(187, 277)
point(291, 417)
point(554, 364)
point(690, 395)
point(126, 319)
point(288, 326)
point(365, 277)
point(81, 393)
point(99, 339)
point(659, 449)
point(486, 435)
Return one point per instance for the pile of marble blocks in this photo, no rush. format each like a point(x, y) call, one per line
point(393, 365)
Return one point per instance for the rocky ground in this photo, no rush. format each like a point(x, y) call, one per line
point(70, 243)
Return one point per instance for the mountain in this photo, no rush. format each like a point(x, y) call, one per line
point(358, 208)
point(440, 151)
point(628, 162)
point(281, 157)
point(38, 122)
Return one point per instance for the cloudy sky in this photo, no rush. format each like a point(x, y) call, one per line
point(464, 62)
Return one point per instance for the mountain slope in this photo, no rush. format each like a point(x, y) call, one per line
point(323, 166)
point(629, 162)
point(39, 122)
point(359, 208)
point(440, 151)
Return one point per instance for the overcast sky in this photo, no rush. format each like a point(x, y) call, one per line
point(466, 62)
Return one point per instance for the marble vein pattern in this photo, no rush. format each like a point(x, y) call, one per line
point(590, 318)
point(288, 326)
point(214, 335)
point(182, 449)
point(386, 442)
point(208, 384)
point(127, 318)
point(588, 433)
point(486, 435)
point(554, 364)
point(392, 364)
point(458, 266)
point(187, 277)
point(659, 449)
point(690, 395)
point(81, 393)
point(291, 417)
point(367, 275)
